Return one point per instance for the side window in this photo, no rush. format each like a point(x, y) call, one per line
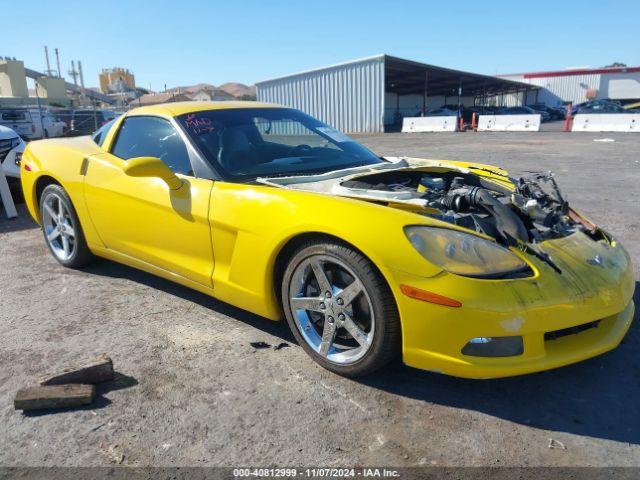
point(152, 137)
point(101, 134)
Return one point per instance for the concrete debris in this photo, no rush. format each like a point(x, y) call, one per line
point(54, 396)
point(95, 371)
point(553, 443)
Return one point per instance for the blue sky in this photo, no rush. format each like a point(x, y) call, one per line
point(182, 43)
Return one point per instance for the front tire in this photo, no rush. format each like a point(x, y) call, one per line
point(61, 228)
point(340, 309)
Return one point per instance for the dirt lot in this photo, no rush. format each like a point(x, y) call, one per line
point(192, 391)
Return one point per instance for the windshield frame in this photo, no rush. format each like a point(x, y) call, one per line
point(225, 175)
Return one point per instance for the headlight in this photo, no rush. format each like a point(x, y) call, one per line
point(461, 253)
point(15, 142)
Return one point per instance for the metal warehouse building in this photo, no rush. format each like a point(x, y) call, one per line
point(577, 86)
point(365, 95)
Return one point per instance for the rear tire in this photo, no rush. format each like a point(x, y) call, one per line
point(340, 308)
point(61, 228)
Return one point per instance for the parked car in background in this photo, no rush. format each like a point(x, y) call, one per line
point(562, 109)
point(442, 112)
point(63, 115)
point(599, 106)
point(485, 110)
point(47, 126)
point(18, 120)
point(32, 123)
point(544, 116)
point(87, 121)
point(11, 149)
point(555, 113)
point(632, 107)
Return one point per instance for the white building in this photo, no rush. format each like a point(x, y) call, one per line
point(580, 85)
point(369, 94)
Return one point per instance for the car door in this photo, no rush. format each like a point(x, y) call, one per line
point(143, 218)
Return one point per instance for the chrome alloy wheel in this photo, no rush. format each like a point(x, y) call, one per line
point(332, 309)
point(58, 227)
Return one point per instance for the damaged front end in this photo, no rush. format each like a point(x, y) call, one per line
point(519, 212)
point(568, 287)
point(531, 211)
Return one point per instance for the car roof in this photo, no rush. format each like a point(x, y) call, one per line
point(175, 109)
point(6, 133)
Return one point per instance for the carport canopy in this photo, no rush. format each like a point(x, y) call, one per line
point(406, 77)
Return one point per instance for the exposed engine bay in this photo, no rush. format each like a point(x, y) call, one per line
point(535, 211)
point(530, 213)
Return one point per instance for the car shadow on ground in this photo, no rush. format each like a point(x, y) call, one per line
point(596, 398)
point(22, 222)
point(115, 270)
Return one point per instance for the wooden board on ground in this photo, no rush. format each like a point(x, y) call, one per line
point(95, 371)
point(54, 396)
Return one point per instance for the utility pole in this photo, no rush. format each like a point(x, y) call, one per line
point(81, 76)
point(84, 95)
point(58, 63)
point(42, 132)
point(48, 72)
point(82, 89)
point(73, 73)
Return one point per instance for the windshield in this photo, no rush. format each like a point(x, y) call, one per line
point(247, 143)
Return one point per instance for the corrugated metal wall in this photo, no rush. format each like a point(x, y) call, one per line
point(568, 89)
point(349, 97)
point(557, 90)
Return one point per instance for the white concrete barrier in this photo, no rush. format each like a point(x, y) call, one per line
point(606, 122)
point(429, 124)
point(509, 123)
point(5, 194)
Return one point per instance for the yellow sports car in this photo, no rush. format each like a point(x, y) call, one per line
point(455, 266)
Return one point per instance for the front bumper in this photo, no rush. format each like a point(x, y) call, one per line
point(434, 335)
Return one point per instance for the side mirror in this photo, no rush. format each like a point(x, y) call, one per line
point(152, 167)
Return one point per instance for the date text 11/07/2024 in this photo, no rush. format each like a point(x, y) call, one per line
point(315, 473)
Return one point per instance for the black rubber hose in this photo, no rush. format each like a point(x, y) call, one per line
point(508, 223)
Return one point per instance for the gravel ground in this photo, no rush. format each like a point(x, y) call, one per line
point(192, 391)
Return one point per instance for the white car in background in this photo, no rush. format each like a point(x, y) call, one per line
point(52, 127)
point(32, 123)
point(11, 149)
